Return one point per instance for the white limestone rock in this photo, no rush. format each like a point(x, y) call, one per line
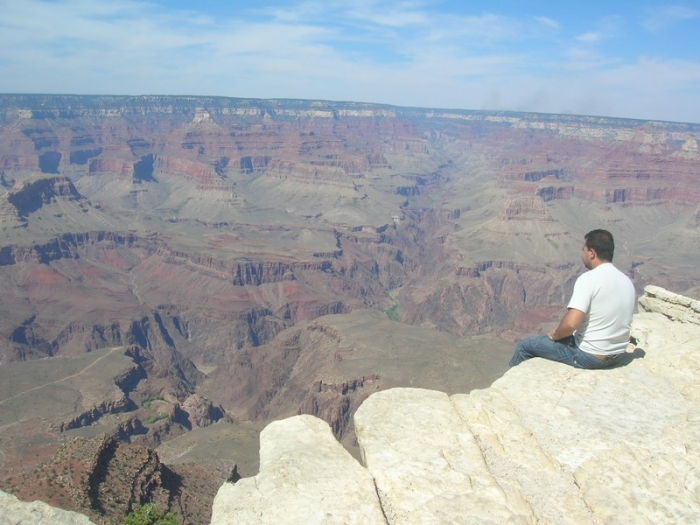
point(426, 464)
point(17, 512)
point(306, 476)
point(549, 443)
point(674, 306)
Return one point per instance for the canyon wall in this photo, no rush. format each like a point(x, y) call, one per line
point(234, 219)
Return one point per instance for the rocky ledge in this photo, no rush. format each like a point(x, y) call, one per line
point(546, 443)
point(14, 511)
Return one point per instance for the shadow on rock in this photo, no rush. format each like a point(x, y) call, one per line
point(628, 357)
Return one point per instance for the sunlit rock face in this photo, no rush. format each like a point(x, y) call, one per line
point(546, 443)
point(14, 511)
point(306, 476)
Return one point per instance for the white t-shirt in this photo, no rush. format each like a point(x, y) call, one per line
point(607, 297)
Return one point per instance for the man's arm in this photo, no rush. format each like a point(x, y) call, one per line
point(567, 326)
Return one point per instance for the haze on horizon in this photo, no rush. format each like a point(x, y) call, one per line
point(618, 59)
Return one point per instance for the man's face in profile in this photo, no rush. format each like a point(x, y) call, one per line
point(587, 255)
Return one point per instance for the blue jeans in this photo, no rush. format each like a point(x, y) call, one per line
point(562, 351)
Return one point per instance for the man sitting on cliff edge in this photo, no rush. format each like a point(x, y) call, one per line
point(596, 327)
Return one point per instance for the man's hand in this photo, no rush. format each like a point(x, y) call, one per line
point(568, 325)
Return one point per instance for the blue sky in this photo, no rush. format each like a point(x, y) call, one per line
point(632, 59)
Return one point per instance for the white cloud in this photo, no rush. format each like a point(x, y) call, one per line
point(404, 14)
point(605, 28)
point(590, 38)
point(548, 22)
point(660, 18)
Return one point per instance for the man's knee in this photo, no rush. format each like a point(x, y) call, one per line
point(522, 351)
point(533, 346)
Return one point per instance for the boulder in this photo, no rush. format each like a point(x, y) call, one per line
point(306, 476)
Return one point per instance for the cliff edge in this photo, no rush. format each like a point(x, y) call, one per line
point(546, 443)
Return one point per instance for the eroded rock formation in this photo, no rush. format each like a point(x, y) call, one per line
point(106, 479)
point(327, 367)
point(100, 476)
point(545, 443)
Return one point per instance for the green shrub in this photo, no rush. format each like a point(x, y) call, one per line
point(148, 514)
point(149, 401)
point(153, 419)
point(392, 313)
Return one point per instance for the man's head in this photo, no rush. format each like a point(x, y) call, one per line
point(598, 248)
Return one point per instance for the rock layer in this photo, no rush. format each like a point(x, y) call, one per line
point(232, 219)
point(546, 443)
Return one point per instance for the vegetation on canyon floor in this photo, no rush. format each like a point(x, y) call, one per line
point(148, 514)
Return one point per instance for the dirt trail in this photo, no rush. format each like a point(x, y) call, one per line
point(88, 367)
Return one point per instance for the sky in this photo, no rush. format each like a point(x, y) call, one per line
point(633, 59)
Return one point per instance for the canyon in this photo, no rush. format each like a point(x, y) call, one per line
point(177, 272)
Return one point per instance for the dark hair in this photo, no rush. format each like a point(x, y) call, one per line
point(602, 243)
